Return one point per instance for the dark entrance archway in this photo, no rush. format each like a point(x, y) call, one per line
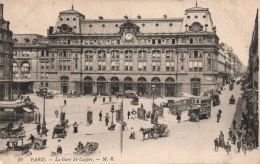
point(114, 85)
point(169, 87)
point(88, 85)
point(141, 85)
point(101, 85)
point(157, 82)
point(128, 84)
point(64, 84)
point(195, 86)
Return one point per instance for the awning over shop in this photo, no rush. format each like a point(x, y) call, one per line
point(27, 109)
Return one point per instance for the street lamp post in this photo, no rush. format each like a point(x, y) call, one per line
point(122, 123)
point(112, 111)
point(153, 88)
point(44, 93)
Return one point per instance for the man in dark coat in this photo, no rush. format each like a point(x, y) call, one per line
point(238, 145)
point(128, 114)
point(107, 119)
point(234, 124)
point(218, 117)
point(216, 144)
point(230, 134)
point(104, 99)
point(31, 138)
point(65, 102)
point(234, 138)
point(38, 128)
point(100, 116)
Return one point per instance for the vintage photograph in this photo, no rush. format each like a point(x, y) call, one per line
point(129, 81)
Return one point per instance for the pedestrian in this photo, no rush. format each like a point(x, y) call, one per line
point(75, 126)
point(230, 134)
point(218, 117)
point(104, 100)
point(132, 135)
point(56, 113)
point(110, 99)
point(142, 106)
point(234, 124)
point(155, 118)
point(38, 128)
point(228, 147)
point(94, 100)
point(238, 145)
point(67, 123)
point(31, 138)
point(128, 114)
point(216, 142)
point(100, 116)
point(244, 148)
point(65, 102)
point(220, 111)
point(124, 125)
point(107, 119)
point(59, 148)
point(234, 138)
point(179, 118)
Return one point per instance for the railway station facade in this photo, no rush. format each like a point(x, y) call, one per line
point(105, 56)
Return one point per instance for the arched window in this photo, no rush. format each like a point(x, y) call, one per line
point(195, 86)
point(88, 54)
point(64, 54)
point(15, 67)
point(115, 54)
point(156, 54)
point(101, 54)
point(142, 54)
point(25, 67)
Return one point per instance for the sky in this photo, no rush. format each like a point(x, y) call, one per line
point(234, 19)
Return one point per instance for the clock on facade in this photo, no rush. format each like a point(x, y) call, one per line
point(128, 37)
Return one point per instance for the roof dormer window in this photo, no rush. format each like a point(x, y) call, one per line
point(68, 19)
point(196, 16)
point(61, 19)
point(74, 19)
point(188, 17)
point(204, 16)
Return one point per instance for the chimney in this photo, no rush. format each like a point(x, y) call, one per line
point(164, 16)
point(1, 11)
point(100, 17)
point(139, 17)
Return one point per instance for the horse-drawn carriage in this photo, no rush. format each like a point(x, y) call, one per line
point(231, 86)
point(39, 143)
point(158, 130)
point(16, 147)
point(135, 101)
point(215, 98)
point(232, 100)
point(88, 149)
point(59, 131)
point(8, 132)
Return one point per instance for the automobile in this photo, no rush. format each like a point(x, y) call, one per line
point(231, 86)
point(130, 94)
point(197, 112)
point(232, 100)
point(49, 95)
point(59, 131)
point(215, 98)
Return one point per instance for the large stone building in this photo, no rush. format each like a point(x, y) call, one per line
point(178, 55)
point(6, 57)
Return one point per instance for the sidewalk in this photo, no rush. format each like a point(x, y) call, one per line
point(240, 107)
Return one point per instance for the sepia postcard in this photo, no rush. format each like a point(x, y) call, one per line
point(129, 81)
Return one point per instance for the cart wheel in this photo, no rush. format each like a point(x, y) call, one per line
point(167, 133)
point(22, 134)
point(197, 119)
point(37, 146)
point(156, 135)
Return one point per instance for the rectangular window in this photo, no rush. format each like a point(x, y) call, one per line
point(195, 66)
point(191, 40)
point(182, 65)
point(190, 66)
point(41, 84)
point(200, 66)
point(52, 64)
point(173, 41)
point(195, 54)
point(42, 53)
point(46, 85)
point(76, 64)
point(153, 41)
point(118, 41)
point(47, 76)
point(47, 53)
point(42, 65)
point(159, 41)
point(47, 65)
point(209, 65)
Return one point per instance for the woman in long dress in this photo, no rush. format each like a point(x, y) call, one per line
point(75, 125)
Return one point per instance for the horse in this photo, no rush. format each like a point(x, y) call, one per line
point(149, 131)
